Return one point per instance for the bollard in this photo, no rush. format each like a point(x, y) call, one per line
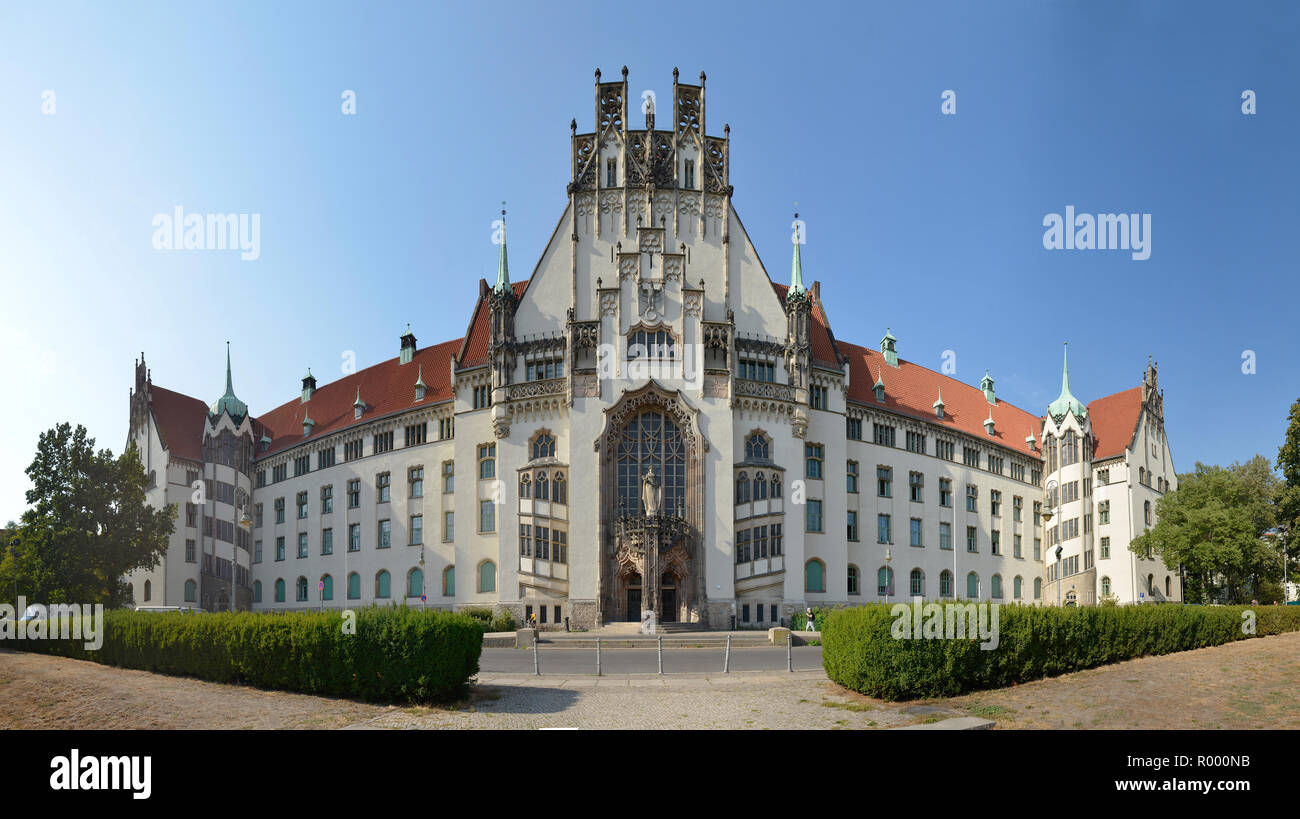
point(789, 660)
point(726, 658)
point(597, 656)
point(537, 661)
point(661, 655)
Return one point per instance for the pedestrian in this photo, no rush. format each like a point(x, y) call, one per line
point(812, 621)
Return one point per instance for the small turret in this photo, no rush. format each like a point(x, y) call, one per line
point(407, 351)
point(986, 384)
point(229, 403)
point(358, 406)
point(308, 386)
point(879, 386)
point(889, 348)
point(1066, 402)
point(420, 387)
point(938, 406)
point(307, 423)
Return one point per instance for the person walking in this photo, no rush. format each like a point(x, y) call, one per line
point(812, 621)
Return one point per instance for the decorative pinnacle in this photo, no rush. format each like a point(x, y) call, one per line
point(503, 266)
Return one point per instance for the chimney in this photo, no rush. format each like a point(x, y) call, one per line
point(407, 351)
point(308, 386)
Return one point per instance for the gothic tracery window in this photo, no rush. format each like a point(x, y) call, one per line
point(543, 446)
point(651, 439)
point(756, 448)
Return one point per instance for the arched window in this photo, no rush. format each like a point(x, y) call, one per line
point(382, 585)
point(487, 576)
point(542, 491)
point(1151, 585)
point(651, 344)
point(301, 588)
point(854, 580)
point(757, 448)
point(543, 446)
point(449, 581)
point(1038, 588)
point(1142, 475)
point(973, 586)
point(651, 439)
point(279, 590)
point(525, 486)
point(1168, 586)
point(148, 590)
point(1105, 587)
point(742, 488)
point(191, 591)
point(257, 591)
point(776, 486)
point(885, 581)
point(760, 487)
point(559, 491)
point(414, 583)
point(916, 583)
point(995, 587)
point(327, 587)
point(354, 586)
point(1018, 587)
point(814, 576)
point(945, 583)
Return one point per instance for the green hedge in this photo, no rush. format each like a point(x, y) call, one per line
point(396, 653)
point(860, 652)
point(491, 621)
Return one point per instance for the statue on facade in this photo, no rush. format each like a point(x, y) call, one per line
point(651, 494)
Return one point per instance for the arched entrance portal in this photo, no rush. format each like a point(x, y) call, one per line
point(650, 510)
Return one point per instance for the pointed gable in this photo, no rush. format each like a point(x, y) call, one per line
point(1114, 422)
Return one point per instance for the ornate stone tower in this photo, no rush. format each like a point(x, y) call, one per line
point(798, 339)
point(501, 330)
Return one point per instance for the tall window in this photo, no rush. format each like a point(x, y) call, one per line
point(383, 585)
point(916, 583)
point(487, 576)
point(813, 516)
point(945, 583)
point(852, 477)
point(885, 581)
point(1069, 448)
point(814, 576)
point(757, 448)
point(884, 529)
point(487, 461)
point(651, 439)
point(354, 586)
point(414, 583)
point(812, 454)
point(543, 446)
point(884, 481)
point(416, 480)
point(854, 581)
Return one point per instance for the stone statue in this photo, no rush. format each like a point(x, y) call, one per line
point(651, 495)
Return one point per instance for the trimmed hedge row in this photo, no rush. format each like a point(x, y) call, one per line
point(860, 652)
point(395, 654)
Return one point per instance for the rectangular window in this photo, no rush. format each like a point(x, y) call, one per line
point(882, 434)
point(945, 535)
point(487, 461)
point(559, 546)
point(915, 485)
point(1103, 512)
point(446, 428)
point(972, 498)
point(853, 429)
point(995, 464)
point(884, 481)
point(812, 461)
point(417, 530)
point(944, 449)
point(448, 526)
point(189, 551)
point(688, 173)
point(777, 538)
point(853, 525)
point(487, 516)
point(279, 510)
point(385, 534)
point(302, 465)
point(257, 551)
point(852, 477)
point(817, 398)
point(326, 499)
point(813, 516)
point(995, 540)
point(916, 442)
point(972, 542)
point(415, 477)
point(884, 531)
point(325, 458)
point(1016, 548)
point(302, 505)
point(995, 502)
point(915, 534)
point(257, 515)
point(945, 492)
point(354, 493)
point(1017, 471)
point(1105, 547)
point(352, 450)
point(382, 482)
point(1103, 476)
point(743, 546)
point(448, 477)
point(1017, 506)
point(279, 473)
point(354, 537)
point(383, 442)
point(1038, 548)
point(279, 548)
point(416, 434)
point(327, 541)
point(302, 544)
point(611, 173)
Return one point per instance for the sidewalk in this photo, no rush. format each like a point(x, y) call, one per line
point(680, 680)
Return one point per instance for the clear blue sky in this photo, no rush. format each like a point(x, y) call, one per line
point(928, 224)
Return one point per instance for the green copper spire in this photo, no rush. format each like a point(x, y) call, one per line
point(796, 266)
point(229, 402)
point(1066, 402)
point(503, 266)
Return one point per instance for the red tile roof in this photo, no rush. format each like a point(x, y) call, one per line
point(824, 350)
point(911, 390)
point(1114, 421)
point(180, 421)
point(386, 388)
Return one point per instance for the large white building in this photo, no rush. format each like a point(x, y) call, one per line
point(648, 421)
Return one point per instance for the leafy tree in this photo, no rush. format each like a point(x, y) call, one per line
point(89, 523)
point(1288, 501)
point(1212, 526)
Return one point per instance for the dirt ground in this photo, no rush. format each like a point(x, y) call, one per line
point(1250, 684)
